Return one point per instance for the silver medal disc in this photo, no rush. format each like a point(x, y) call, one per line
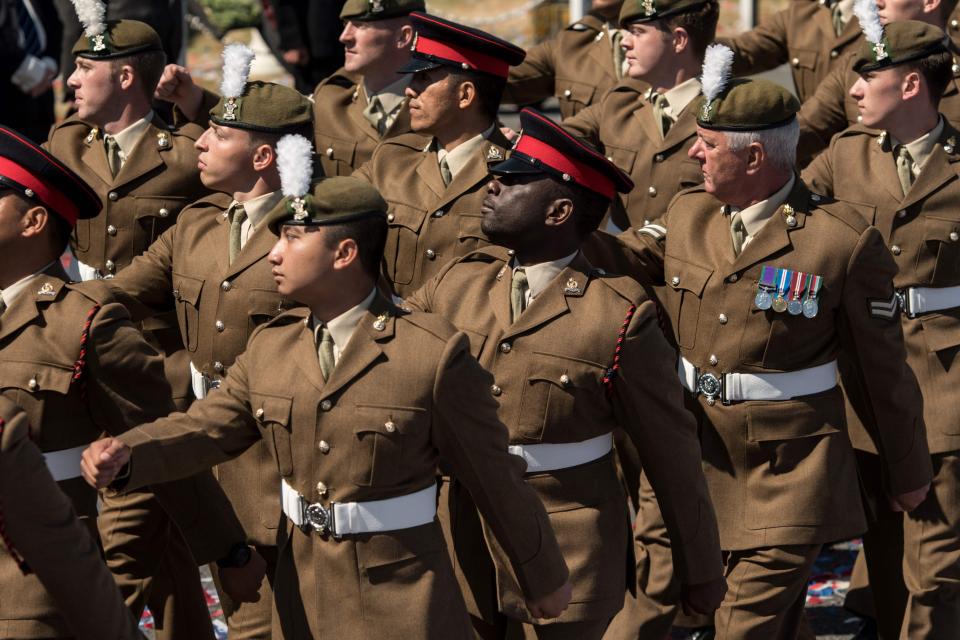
point(810, 308)
point(794, 307)
point(763, 300)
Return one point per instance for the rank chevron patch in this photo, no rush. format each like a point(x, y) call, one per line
point(885, 308)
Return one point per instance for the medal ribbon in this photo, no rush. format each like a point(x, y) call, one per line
point(768, 278)
point(814, 287)
point(783, 275)
point(797, 284)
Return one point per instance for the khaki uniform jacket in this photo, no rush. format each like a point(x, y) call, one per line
point(430, 224)
point(576, 66)
point(121, 386)
point(922, 230)
point(343, 137)
point(783, 472)
point(832, 109)
point(551, 390)
point(404, 395)
point(801, 35)
point(63, 558)
point(218, 306)
point(623, 125)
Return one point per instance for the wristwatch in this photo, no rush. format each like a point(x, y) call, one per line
point(238, 557)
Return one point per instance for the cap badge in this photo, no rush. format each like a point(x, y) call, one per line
point(46, 290)
point(376, 6)
point(98, 42)
point(381, 322)
point(299, 209)
point(494, 153)
point(163, 140)
point(572, 287)
point(649, 8)
point(230, 109)
point(880, 50)
point(705, 111)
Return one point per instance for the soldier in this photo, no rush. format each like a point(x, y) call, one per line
point(212, 265)
point(908, 152)
point(369, 401)
point(766, 285)
point(44, 542)
point(832, 109)
point(645, 123)
point(433, 179)
point(562, 399)
point(70, 357)
point(577, 65)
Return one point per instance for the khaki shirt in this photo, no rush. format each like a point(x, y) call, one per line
point(404, 395)
point(922, 231)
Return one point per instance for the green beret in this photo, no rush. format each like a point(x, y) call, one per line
point(266, 107)
point(330, 201)
point(649, 10)
point(369, 10)
point(121, 38)
point(903, 41)
point(748, 105)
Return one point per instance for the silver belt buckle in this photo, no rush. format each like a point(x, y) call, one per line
point(903, 295)
point(210, 384)
point(316, 517)
point(711, 387)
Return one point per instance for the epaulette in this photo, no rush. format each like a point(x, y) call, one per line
point(97, 291)
point(489, 253)
point(630, 85)
point(416, 141)
point(588, 22)
point(861, 130)
point(433, 323)
point(854, 215)
point(290, 316)
point(624, 286)
point(339, 78)
point(72, 121)
point(215, 199)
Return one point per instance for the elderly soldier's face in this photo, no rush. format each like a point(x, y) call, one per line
point(96, 85)
point(879, 94)
point(514, 209)
point(368, 43)
point(645, 45)
point(433, 100)
point(723, 169)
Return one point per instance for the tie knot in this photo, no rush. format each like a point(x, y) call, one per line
point(323, 335)
point(519, 277)
point(237, 213)
point(903, 152)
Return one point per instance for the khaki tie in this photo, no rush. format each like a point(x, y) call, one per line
point(237, 217)
point(738, 232)
point(375, 115)
point(904, 168)
point(325, 351)
point(113, 154)
point(616, 36)
point(518, 293)
point(445, 172)
point(660, 116)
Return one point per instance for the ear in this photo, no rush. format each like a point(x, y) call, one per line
point(404, 37)
point(466, 94)
point(931, 6)
point(910, 87)
point(559, 212)
point(756, 156)
point(127, 77)
point(347, 253)
point(264, 156)
point(34, 221)
point(681, 40)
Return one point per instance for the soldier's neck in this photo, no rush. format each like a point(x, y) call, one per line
point(375, 80)
point(350, 291)
point(669, 77)
point(910, 126)
point(128, 114)
point(261, 186)
point(17, 266)
point(462, 131)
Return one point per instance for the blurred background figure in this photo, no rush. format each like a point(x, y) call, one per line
point(303, 36)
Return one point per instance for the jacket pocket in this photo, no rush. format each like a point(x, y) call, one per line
point(687, 281)
point(340, 153)
point(576, 94)
point(263, 305)
point(804, 66)
point(401, 253)
point(154, 214)
point(942, 242)
point(470, 237)
point(379, 441)
point(186, 295)
point(273, 415)
point(557, 391)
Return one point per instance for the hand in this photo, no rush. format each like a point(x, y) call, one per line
point(703, 598)
point(509, 133)
point(553, 604)
point(910, 500)
point(242, 584)
point(102, 461)
point(176, 85)
point(298, 57)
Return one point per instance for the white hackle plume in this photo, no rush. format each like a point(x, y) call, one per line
point(869, 17)
point(717, 66)
point(295, 164)
point(236, 69)
point(92, 15)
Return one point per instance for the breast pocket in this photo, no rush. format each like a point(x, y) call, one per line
point(154, 215)
point(804, 65)
point(556, 396)
point(623, 158)
point(382, 434)
point(273, 415)
point(263, 306)
point(32, 385)
point(186, 295)
point(941, 242)
point(401, 253)
point(574, 95)
point(470, 237)
point(338, 156)
point(685, 282)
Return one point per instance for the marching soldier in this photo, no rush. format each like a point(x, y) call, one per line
point(433, 179)
point(577, 65)
point(645, 123)
point(212, 265)
point(368, 401)
point(43, 542)
point(562, 399)
point(766, 285)
point(70, 357)
point(909, 152)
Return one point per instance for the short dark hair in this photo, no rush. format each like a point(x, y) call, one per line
point(148, 67)
point(700, 24)
point(589, 207)
point(370, 234)
point(489, 90)
point(937, 72)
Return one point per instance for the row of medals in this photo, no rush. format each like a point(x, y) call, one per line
point(765, 299)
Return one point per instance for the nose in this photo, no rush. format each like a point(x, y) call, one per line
point(274, 257)
point(493, 187)
point(201, 143)
point(73, 82)
point(346, 36)
point(856, 91)
point(695, 151)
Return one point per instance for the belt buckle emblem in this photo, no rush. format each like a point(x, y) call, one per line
point(318, 518)
point(710, 387)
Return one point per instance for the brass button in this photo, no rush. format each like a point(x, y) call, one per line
point(431, 254)
point(226, 285)
point(321, 489)
point(390, 217)
point(795, 62)
point(711, 401)
point(113, 195)
point(260, 414)
point(722, 318)
point(111, 230)
point(567, 93)
point(675, 280)
point(390, 426)
point(109, 265)
point(652, 190)
point(33, 384)
point(834, 53)
point(326, 405)
point(164, 212)
point(895, 250)
point(713, 360)
point(565, 380)
point(495, 390)
point(219, 325)
point(505, 347)
point(329, 152)
point(324, 447)
point(439, 214)
point(791, 221)
point(658, 157)
point(218, 366)
point(954, 236)
point(511, 252)
point(733, 278)
point(902, 213)
point(815, 197)
point(176, 294)
point(954, 24)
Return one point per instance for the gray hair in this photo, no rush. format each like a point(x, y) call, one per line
point(780, 144)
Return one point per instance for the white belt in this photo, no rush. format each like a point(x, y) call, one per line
point(88, 273)
point(201, 383)
point(344, 518)
point(64, 464)
point(550, 457)
point(735, 387)
point(917, 300)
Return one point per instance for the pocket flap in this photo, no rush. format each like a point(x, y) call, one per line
point(567, 373)
point(687, 276)
point(270, 408)
point(186, 289)
point(577, 91)
point(804, 59)
point(387, 419)
point(940, 229)
point(45, 377)
point(406, 216)
point(818, 415)
point(166, 207)
point(470, 226)
point(340, 150)
point(624, 158)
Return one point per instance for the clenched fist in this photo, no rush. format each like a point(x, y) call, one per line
point(102, 462)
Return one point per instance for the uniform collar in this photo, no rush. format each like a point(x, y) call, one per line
point(680, 96)
point(539, 276)
point(260, 206)
point(391, 96)
point(9, 295)
point(343, 326)
point(130, 137)
point(756, 215)
point(461, 154)
point(922, 148)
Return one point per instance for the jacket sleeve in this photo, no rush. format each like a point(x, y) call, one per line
point(648, 244)
point(586, 123)
point(819, 174)
point(473, 442)
point(762, 48)
point(823, 115)
point(648, 401)
point(533, 79)
point(145, 286)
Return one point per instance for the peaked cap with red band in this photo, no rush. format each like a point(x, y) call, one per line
point(545, 147)
point(440, 42)
point(38, 176)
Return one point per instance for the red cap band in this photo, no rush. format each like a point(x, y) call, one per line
point(476, 60)
point(582, 174)
point(61, 205)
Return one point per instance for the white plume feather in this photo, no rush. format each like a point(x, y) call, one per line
point(236, 69)
point(717, 65)
point(295, 164)
point(869, 17)
point(91, 14)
